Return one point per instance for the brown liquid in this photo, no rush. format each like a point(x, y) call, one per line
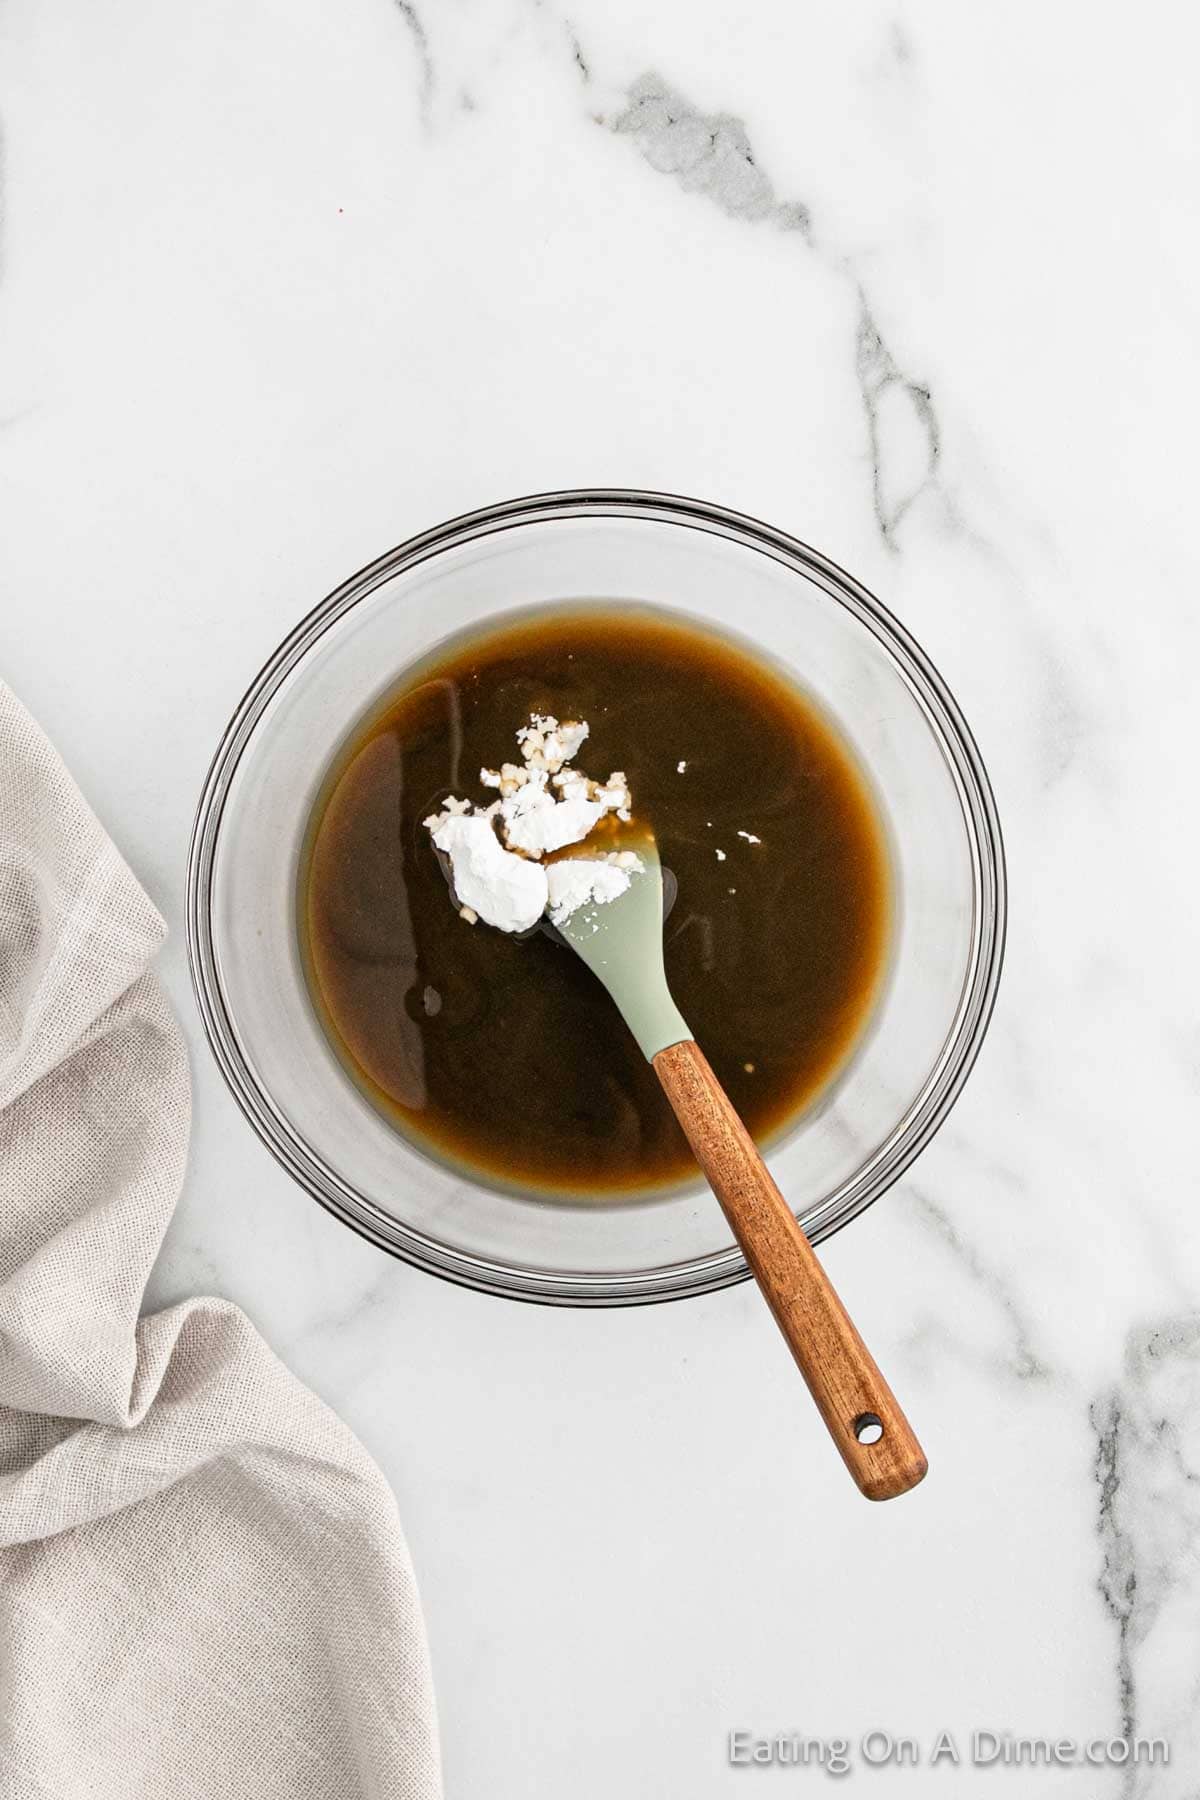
point(506, 1055)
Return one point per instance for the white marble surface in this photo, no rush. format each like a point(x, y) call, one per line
point(281, 285)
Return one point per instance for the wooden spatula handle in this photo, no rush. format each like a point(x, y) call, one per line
point(853, 1397)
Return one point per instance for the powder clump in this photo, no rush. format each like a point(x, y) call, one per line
point(579, 881)
point(495, 852)
point(501, 889)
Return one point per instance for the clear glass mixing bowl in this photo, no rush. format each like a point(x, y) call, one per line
point(716, 566)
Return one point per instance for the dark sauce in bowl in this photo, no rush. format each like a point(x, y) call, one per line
point(505, 1056)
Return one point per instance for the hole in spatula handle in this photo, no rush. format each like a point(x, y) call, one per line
point(868, 1428)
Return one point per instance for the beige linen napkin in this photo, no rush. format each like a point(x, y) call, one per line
point(204, 1589)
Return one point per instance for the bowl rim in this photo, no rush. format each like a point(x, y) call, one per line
point(921, 1119)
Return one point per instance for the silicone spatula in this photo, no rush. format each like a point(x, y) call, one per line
point(621, 942)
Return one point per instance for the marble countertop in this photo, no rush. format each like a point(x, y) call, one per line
point(283, 285)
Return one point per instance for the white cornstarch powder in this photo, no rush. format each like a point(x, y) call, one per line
point(495, 851)
point(586, 881)
point(489, 881)
point(544, 805)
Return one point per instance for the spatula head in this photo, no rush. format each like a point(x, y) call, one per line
point(621, 943)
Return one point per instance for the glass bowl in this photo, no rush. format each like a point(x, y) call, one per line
point(716, 567)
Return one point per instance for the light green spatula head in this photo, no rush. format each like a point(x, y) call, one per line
point(621, 943)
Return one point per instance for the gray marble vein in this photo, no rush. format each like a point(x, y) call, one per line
point(577, 55)
point(902, 428)
point(707, 153)
point(711, 154)
point(566, 26)
point(420, 39)
point(1021, 1358)
point(1118, 1576)
point(1147, 1469)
